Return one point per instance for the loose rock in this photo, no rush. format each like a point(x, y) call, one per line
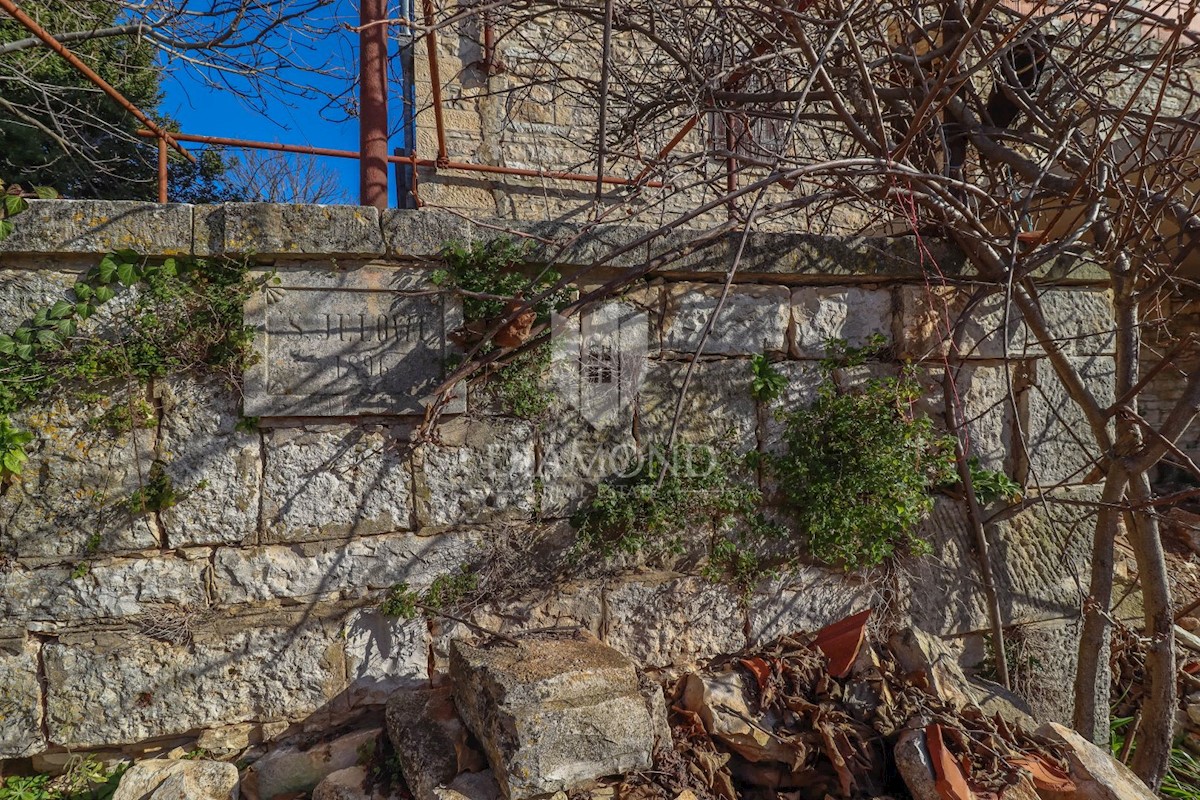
point(178, 779)
point(292, 769)
point(1098, 775)
point(430, 740)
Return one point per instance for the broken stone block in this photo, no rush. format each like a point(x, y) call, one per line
point(292, 768)
point(349, 784)
point(1097, 775)
point(429, 739)
point(554, 714)
point(178, 779)
point(470, 786)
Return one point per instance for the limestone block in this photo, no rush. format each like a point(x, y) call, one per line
point(1081, 320)
point(1037, 558)
point(95, 227)
point(150, 689)
point(24, 291)
point(1059, 441)
point(326, 570)
point(553, 714)
point(989, 398)
point(349, 784)
point(20, 702)
point(1098, 776)
point(576, 458)
point(694, 620)
point(806, 600)
point(73, 498)
point(422, 233)
point(821, 313)
point(217, 467)
point(178, 779)
point(483, 470)
point(753, 319)
point(803, 379)
point(270, 229)
point(430, 740)
point(110, 588)
point(384, 656)
point(292, 769)
point(718, 409)
point(324, 483)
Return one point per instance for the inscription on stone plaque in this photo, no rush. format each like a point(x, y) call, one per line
point(370, 340)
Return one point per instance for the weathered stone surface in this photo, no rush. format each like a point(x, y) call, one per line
point(808, 599)
point(350, 784)
point(20, 702)
point(694, 620)
point(325, 570)
point(471, 786)
point(753, 319)
point(291, 768)
point(110, 588)
point(803, 379)
point(1081, 320)
point(24, 291)
point(552, 714)
point(151, 688)
point(269, 229)
point(384, 656)
point(822, 313)
point(96, 227)
point(73, 498)
point(422, 233)
point(718, 409)
point(483, 470)
point(325, 483)
point(576, 458)
point(216, 468)
point(987, 398)
point(1037, 556)
point(430, 740)
point(1058, 439)
point(1098, 776)
point(341, 343)
point(178, 779)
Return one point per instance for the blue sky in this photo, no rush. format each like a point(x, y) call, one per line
point(290, 118)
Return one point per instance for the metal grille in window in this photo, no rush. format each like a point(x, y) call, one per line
point(600, 365)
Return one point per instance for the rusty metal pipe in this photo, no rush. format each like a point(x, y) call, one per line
point(435, 79)
point(87, 72)
point(420, 162)
point(162, 170)
point(373, 105)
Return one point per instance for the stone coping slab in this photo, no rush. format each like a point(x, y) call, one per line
point(265, 232)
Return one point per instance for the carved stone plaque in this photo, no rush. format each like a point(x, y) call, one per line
point(370, 340)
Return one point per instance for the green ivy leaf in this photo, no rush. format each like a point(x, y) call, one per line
point(24, 352)
point(39, 318)
point(128, 256)
point(66, 327)
point(83, 310)
point(170, 268)
point(48, 339)
point(6, 229)
point(61, 310)
point(107, 270)
point(83, 291)
point(46, 192)
point(104, 294)
point(14, 204)
point(6, 345)
point(127, 273)
point(14, 460)
point(23, 335)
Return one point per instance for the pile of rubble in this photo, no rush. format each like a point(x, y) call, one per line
point(805, 718)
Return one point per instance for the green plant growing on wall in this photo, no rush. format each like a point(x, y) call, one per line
point(12, 449)
point(860, 467)
point(446, 593)
point(492, 277)
point(84, 779)
point(13, 201)
point(766, 382)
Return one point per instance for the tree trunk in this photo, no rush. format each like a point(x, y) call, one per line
point(1091, 716)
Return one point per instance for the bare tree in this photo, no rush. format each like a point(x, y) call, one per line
point(276, 177)
point(1031, 136)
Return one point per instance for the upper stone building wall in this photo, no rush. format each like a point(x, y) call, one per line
point(246, 612)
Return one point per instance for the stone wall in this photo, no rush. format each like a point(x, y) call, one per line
point(246, 612)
